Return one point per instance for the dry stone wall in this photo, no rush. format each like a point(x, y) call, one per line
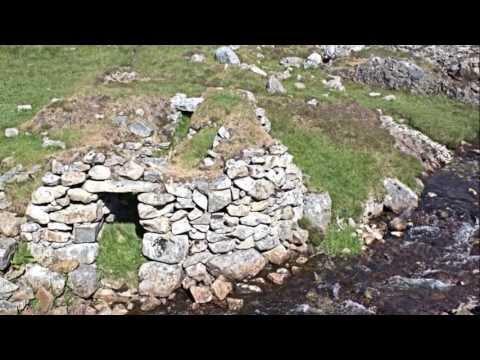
point(199, 235)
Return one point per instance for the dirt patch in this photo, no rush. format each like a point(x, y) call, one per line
point(92, 118)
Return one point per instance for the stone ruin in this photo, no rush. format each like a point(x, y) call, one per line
point(197, 234)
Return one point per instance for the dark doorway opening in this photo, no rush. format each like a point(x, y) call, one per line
point(123, 209)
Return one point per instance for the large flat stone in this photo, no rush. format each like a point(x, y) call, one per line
point(75, 214)
point(120, 186)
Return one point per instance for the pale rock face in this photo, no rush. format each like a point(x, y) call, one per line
point(199, 273)
point(278, 255)
point(131, 170)
point(54, 236)
point(159, 225)
point(225, 55)
point(37, 214)
point(221, 247)
point(178, 190)
point(399, 197)
point(83, 253)
point(38, 276)
point(93, 157)
point(75, 214)
point(120, 186)
point(80, 195)
point(238, 265)
point(86, 233)
point(181, 102)
point(200, 199)
point(100, 172)
point(181, 226)
point(274, 86)
point(313, 61)
point(254, 219)
point(83, 281)
point(218, 200)
point(155, 199)
point(318, 210)
point(160, 280)
point(10, 224)
point(7, 249)
point(199, 257)
point(6, 288)
point(72, 178)
point(238, 210)
point(160, 248)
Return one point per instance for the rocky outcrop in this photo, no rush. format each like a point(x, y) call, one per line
point(412, 142)
point(459, 81)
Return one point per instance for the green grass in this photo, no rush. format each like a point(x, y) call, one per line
point(22, 255)
point(444, 120)
point(120, 253)
point(337, 240)
point(338, 157)
point(191, 152)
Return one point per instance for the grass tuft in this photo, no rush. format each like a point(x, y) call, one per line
point(120, 253)
point(22, 255)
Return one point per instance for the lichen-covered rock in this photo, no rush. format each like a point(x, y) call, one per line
point(75, 214)
point(120, 186)
point(237, 265)
point(37, 214)
point(274, 86)
point(399, 197)
point(164, 249)
point(38, 276)
point(72, 178)
point(10, 223)
point(7, 288)
point(160, 280)
point(80, 195)
point(83, 281)
point(225, 55)
point(86, 233)
point(83, 253)
point(317, 210)
point(156, 199)
point(100, 172)
point(7, 249)
point(182, 103)
point(217, 200)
